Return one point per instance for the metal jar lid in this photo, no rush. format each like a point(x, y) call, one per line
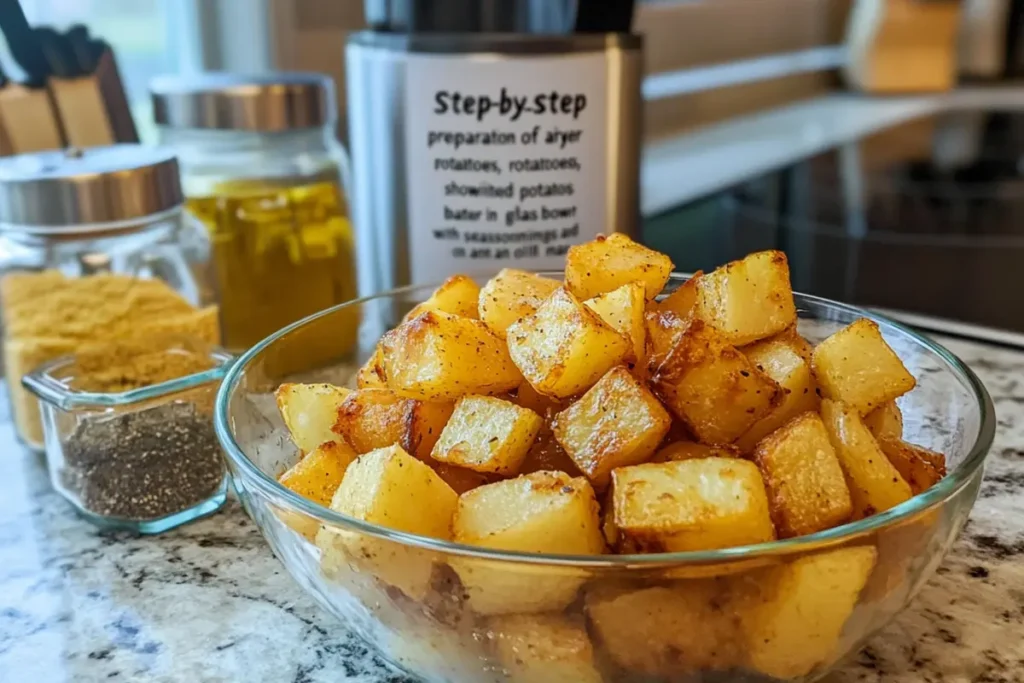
point(66, 188)
point(263, 103)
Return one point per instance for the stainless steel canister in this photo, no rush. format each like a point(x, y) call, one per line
point(477, 151)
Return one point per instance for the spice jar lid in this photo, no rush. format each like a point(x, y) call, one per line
point(226, 101)
point(58, 188)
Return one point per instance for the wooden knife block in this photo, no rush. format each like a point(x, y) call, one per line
point(902, 46)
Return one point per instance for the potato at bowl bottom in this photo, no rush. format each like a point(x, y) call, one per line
point(494, 588)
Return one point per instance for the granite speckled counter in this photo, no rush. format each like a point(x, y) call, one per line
point(210, 603)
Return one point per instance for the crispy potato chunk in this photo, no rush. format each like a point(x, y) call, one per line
point(309, 411)
point(792, 337)
point(875, 485)
point(622, 310)
point(919, 467)
point(691, 450)
point(713, 387)
point(885, 421)
point(458, 295)
point(691, 505)
point(539, 512)
point(608, 263)
point(511, 295)
point(564, 347)
point(437, 356)
point(663, 332)
point(666, 633)
point(425, 420)
point(377, 418)
point(856, 366)
point(805, 483)
point(784, 364)
point(681, 301)
point(792, 616)
point(749, 299)
point(618, 422)
point(391, 488)
point(545, 406)
point(316, 477)
point(371, 374)
point(487, 434)
point(543, 647)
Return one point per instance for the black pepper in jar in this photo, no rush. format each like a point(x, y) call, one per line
point(144, 465)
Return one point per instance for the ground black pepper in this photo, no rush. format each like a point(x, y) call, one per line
point(146, 464)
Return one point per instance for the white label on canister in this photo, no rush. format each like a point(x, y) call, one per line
point(506, 160)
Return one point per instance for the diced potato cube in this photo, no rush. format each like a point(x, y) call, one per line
point(713, 387)
point(391, 488)
point(511, 295)
point(372, 418)
point(618, 422)
point(680, 302)
point(541, 512)
point(793, 615)
point(426, 420)
point(437, 356)
point(459, 478)
point(875, 485)
point(691, 450)
point(885, 421)
point(666, 633)
point(691, 505)
point(458, 295)
point(608, 263)
point(919, 467)
point(622, 309)
point(543, 647)
point(749, 299)
point(487, 434)
point(563, 348)
point(547, 454)
point(663, 332)
point(545, 406)
point(316, 477)
point(309, 411)
point(856, 366)
point(371, 374)
point(805, 483)
point(784, 364)
point(792, 337)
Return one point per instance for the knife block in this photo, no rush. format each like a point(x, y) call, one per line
point(902, 46)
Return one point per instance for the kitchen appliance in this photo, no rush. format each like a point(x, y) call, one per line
point(488, 135)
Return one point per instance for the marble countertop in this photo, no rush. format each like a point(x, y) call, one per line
point(210, 603)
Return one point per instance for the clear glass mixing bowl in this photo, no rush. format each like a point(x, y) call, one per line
point(777, 611)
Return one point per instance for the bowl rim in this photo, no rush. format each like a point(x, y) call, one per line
point(950, 485)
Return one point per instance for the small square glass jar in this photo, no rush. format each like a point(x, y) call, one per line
point(90, 441)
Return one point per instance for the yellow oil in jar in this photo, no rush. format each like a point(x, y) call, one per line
point(280, 252)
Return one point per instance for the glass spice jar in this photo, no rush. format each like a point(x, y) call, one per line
point(94, 244)
point(262, 169)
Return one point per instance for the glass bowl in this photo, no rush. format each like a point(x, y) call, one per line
point(787, 610)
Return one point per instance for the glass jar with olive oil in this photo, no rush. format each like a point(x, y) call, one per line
point(262, 169)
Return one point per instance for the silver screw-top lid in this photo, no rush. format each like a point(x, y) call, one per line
point(72, 187)
point(224, 101)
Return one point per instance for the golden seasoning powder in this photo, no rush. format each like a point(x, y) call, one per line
point(280, 253)
point(126, 365)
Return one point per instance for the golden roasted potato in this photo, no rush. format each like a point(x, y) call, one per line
point(458, 295)
point(513, 294)
point(856, 366)
point(681, 301)
point(805, 483)
point(618, 422)
point(487, 434)
point(564, 347)
point(666, 633)
point(713, 387)
point(792, 337)
point(425, 420)
point(545, 406)
point(919, 467)
point(622, 310)
point(691, 450)
point(780, 361)
point(543, 647)
point(749, 299)
point(372, 418)
point(663, 332)
point(391, 488)
point(875, 485)
point(607, 263)
point(437, 356)
point(309, 411)
point(540, 512)
point(792, 615)
point(691, 505)
point(316, 477)
point(885, 421)
point(371, 374)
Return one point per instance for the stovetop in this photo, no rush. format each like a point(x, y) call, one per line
point(926, 217)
